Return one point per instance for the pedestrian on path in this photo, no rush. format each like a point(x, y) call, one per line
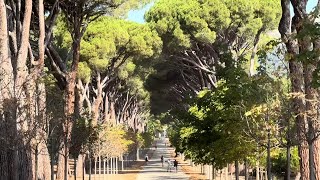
point(175, 165)
point(146, 158)
point(162, 160)
point(169, 166)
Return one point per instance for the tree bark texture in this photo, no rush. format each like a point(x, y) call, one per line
point(300, 78)
point(69, 104)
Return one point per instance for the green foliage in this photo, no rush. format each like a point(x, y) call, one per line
point(83, 136)
point(181, 22)
point(145, 139)
point(107, 40)
point(211, 131)
point(84, 72)
point(279, 162)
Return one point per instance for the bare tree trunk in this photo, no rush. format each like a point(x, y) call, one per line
point(316, 157)
point(237, 170)
point(254, 50)
point(6, 89)
point(80, 161)
point(70, 95)
point(97, 101)
point(257, 171)
point(288, 171)
point(60, 163)
point(226, 172)
point(113, 118)
point(296, 75)
point(311, 109)
point(24, 155)
point(44, 158)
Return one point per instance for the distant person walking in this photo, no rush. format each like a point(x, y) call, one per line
point(169, 166)
point(162, 160)
point(146, 158)
point(175, 164)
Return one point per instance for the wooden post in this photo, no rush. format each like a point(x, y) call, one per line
point(108, 166)
point(111, 166)
point(104, 167)
point(99, 165)
point(122, 169)
point(116, 161)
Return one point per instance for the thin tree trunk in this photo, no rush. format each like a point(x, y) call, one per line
point(257, 171)
point(245, 169)
point(268, 170)
point(213, 173)
point(99, 165)
point(237, 170)
point(226, 173)
point(36, 163)
point(52, 167)
point(108, 166)
point(95, 166)
point(137, 153)
point(75, 168)
point(254, 50)
point(288, 170)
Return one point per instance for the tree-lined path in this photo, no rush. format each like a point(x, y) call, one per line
point(154, 171)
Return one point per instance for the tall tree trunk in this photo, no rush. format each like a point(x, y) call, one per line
point(24, 155)
point(43, 156)
point(311, 112)
point(69, 113)
point(296, 76)
point(6, 89)
point(316, 46)
point(70, 95)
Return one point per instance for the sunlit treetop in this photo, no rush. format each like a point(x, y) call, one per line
point(114, 42)
point(179, 22)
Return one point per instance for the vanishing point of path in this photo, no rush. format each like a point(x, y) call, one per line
point(153, 170)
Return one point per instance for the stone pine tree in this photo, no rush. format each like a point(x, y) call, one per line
point(77, 15)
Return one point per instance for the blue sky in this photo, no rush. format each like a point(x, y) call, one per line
point(137, 15)
point(311, 4)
